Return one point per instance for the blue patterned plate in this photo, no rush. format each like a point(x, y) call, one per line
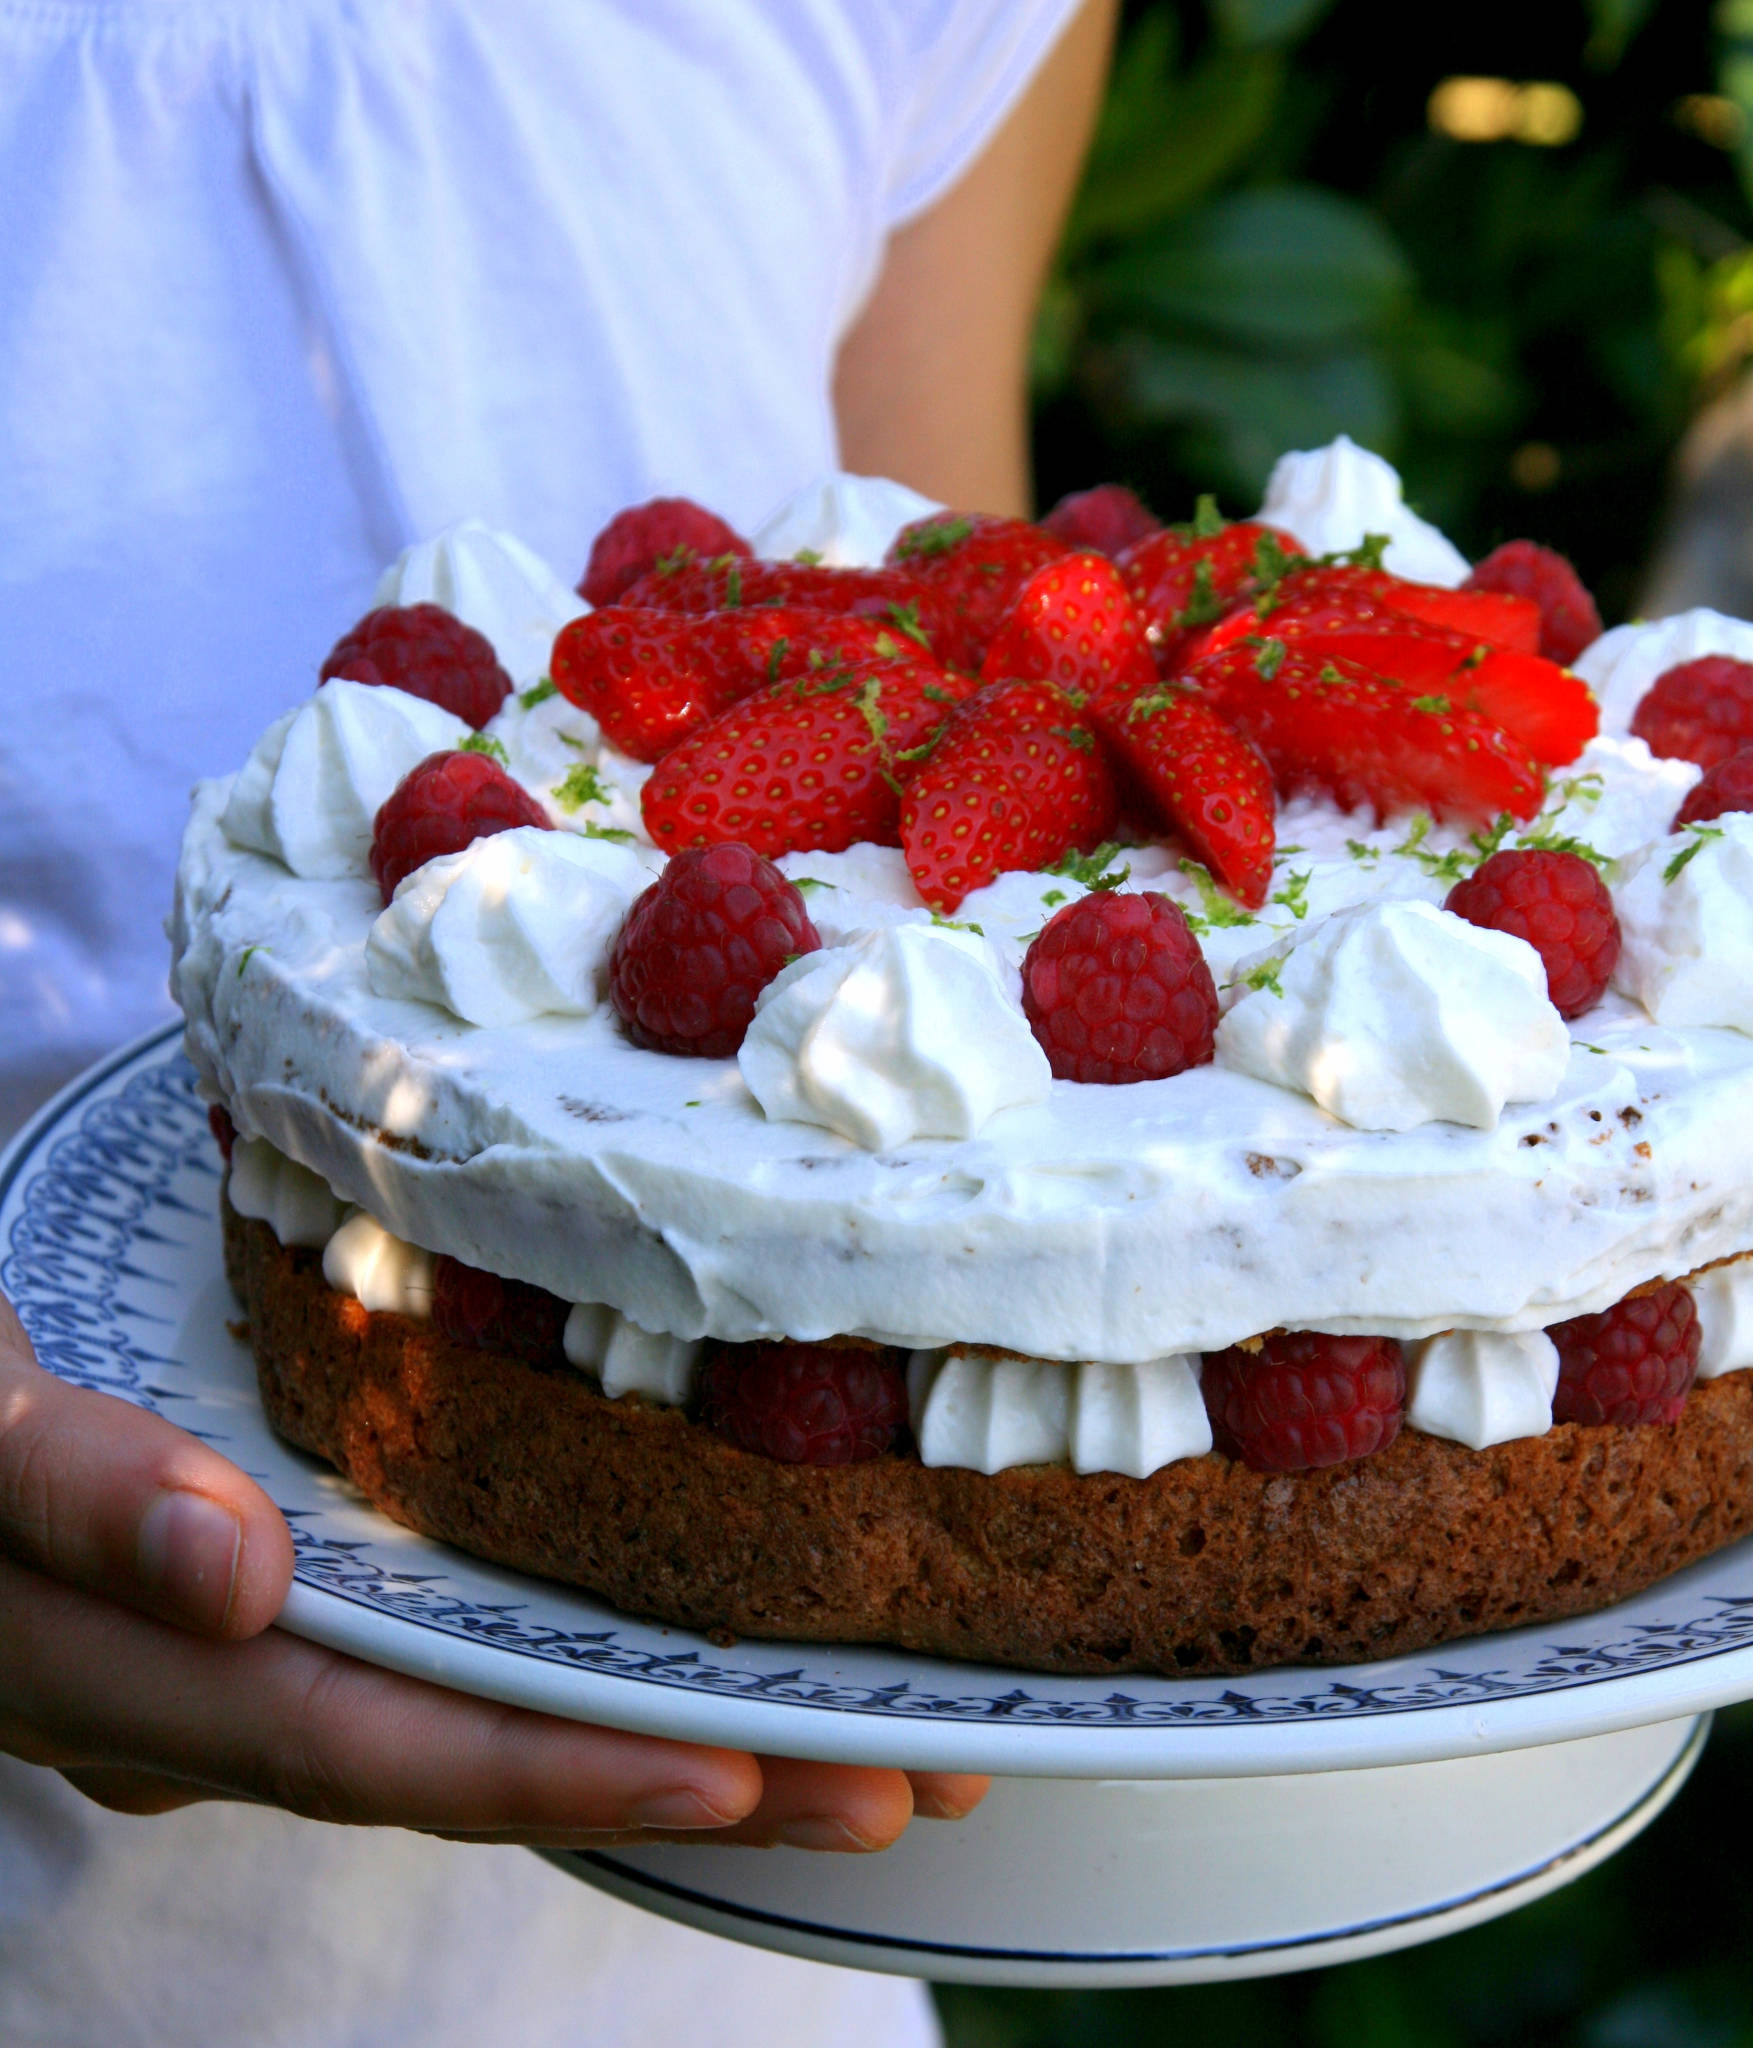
point(109, 1248)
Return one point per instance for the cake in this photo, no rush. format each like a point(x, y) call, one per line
point(544, 1290)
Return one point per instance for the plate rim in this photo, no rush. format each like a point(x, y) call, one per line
point(1251, 1739)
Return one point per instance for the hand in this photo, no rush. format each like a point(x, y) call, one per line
point(139, 1573)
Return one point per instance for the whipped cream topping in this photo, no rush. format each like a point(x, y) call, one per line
point(559, 755)
point(624, 1359)
point(1392, 1015)
point(385, 1273)
point(1479, 1387)
point(907, 1031)
point(310, 790)
point(1723, 1296)
point(297, 1205)
point(1332, 499)
point(1686, 919)
point(516, 925)
point(491, 581)
point(1621, 665)
point(844, 520)
point(991, 1413)
point(1615, 797)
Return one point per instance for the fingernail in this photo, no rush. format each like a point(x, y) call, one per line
point(680, 1807)
point(819, 1831)
point(188, 1550)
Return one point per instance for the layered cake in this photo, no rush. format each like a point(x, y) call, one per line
point(1090, 1096)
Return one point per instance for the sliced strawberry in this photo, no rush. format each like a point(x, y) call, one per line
point(1498, 617)
point(1015, 780)
point(1333, 726)
point(1074, 625)
point(1208, 781)
point(977, 564)
point(1186, 578)
point(812, 763)
point(904, 603)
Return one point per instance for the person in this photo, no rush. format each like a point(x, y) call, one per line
point(287, 284)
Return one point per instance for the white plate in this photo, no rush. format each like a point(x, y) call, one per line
point(109, 1248)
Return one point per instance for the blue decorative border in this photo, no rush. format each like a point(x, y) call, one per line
point(94, 1180)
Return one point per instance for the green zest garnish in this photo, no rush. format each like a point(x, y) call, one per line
point(905, 619)
point(485, 743)
point(246, 956)
point(810, 558)
point(803, 884)
point(538, 693)
point(579, 786)
point(1295, 893)
point(1217, 908)
point(1700, 834)
point(1092, 870)
point(1203, 604)
point(1438, 707)
point(1055, 897)
point(1369, 855)
point(1074, 736)
point(614, 832)
point(934, 537)
point(1265, 976)
point(949, 924)
point(1269, 660)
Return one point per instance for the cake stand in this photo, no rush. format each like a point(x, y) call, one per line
point(1142, 1831)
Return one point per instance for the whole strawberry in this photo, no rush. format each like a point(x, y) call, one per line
point(977, 564)
point(1108, 518)
point(636, 540)
point(806, 1404)
point(1701, 711)
point(1569, 620)
point(1015, 780)
point(1632, 1364)
point(441, 805)
point(1559, 904)
point(700, 945)
point(1116, 990)
point(813, 763)
point(1303, 1400)
point(428, 652)
point(1073, 625)
point(1331, 725)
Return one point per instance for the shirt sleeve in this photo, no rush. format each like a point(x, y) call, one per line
point(959, 66)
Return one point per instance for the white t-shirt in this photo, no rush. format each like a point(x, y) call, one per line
point(284, 285)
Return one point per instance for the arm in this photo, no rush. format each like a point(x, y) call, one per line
point(932, 381)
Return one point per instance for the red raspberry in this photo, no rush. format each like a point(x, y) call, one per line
point(1560, 905)
point(1726, 787)
point(224, 1130)
point(488, 1313)
point(1115, 989)
point(1108, 518)
point(1701, 711)
point(1568, 617)
point(441, 805)
point(1304, 1400)
point(700, 945)
point(1633, 1363)
point(635, 541)
point(806, 1404)
point(430, 653)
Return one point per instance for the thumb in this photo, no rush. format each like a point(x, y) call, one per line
point(98, 1494)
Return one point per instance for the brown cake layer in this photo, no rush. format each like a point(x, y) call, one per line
point(1203, 1567)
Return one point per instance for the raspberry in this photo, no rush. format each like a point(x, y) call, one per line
point(1560, 905)
point(1726, 787)
point(1631, 1364)
point(1107, 518)
point(488, 1313)
point(224, 1130)
point(806, 1404)
point(430, 653)
point(700, 945)
point(1304, 1400)
point(1116, 989)
point(441, 805)
point(1701, 711)
point(635, 541)
point(1568, 617)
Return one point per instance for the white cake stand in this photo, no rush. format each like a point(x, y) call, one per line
point(1143, 1830)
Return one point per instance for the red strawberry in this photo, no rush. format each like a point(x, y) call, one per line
point(1015, 780)
point(891, 597)
point(1569, 619)
point(811, 763)
point(1498, 616)
point(1331, 725)
point(1108, 519)
point(1074, 625)
point(636, 540)
point(1209, 782)
point(976, 563)
point(1186, 577)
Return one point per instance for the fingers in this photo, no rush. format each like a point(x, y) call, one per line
point(104, 1496)
point(946, 1795)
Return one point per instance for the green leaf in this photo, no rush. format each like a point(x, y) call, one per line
point(1253, 23)
point(1284, 267)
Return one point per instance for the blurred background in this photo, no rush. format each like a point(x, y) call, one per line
point(1511, 248)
